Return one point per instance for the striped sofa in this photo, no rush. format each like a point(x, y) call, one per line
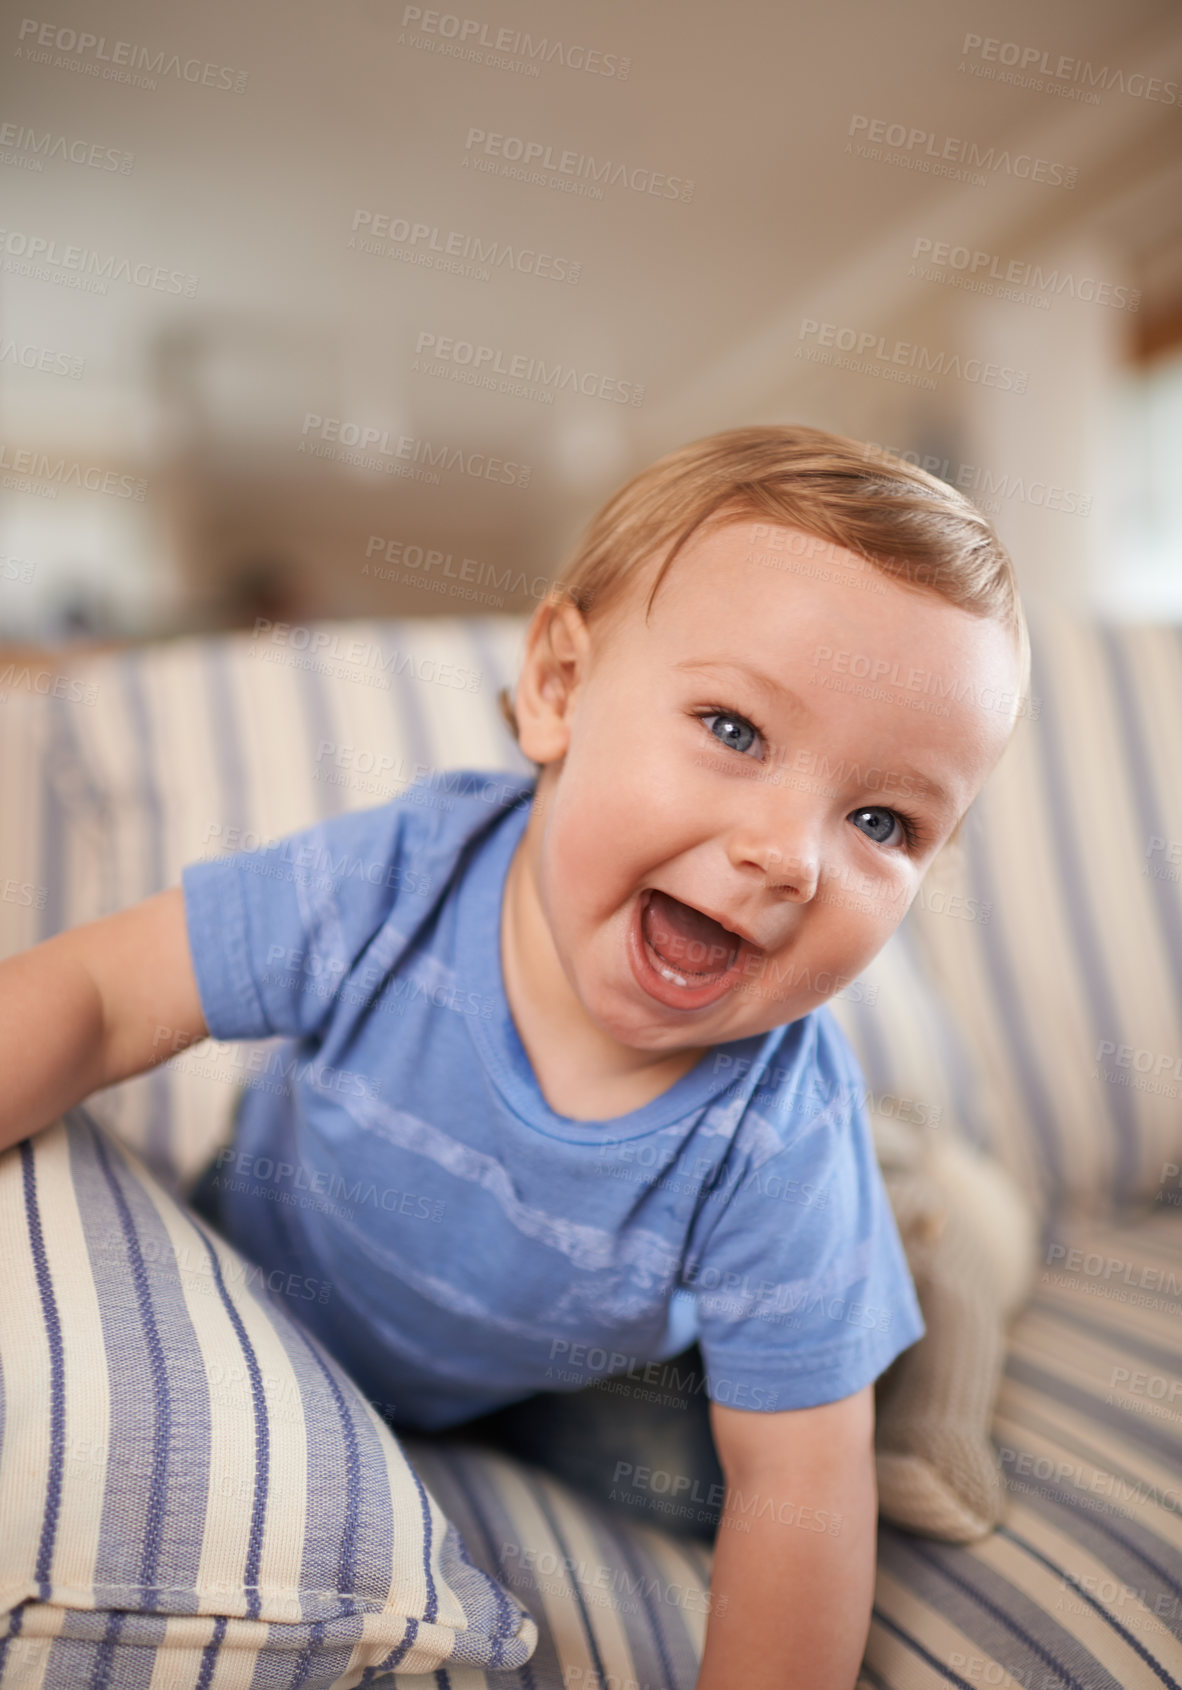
point(1032, 1001)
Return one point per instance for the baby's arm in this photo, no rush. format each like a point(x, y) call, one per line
point(799, 1583)
point(86, 1008)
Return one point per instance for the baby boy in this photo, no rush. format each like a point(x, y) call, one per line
point(598, 1098)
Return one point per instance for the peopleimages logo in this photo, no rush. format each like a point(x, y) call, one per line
point(924, 149)
point(30, 148)
point(49, 361)
point(522, 367)
point(80, 266)
point(989, 488)
point(377, 448)
point(1029, 64)
point(18, 462)
point(485, 150)
point(980, 270)
point(430, 245)
point(876, 354)
point(46, 683)
point(420, 561)
point(503, 47)
point(119, 61)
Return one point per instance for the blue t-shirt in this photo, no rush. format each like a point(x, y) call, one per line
point(465, 1245)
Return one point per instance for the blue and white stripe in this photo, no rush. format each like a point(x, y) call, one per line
point(189, 1486)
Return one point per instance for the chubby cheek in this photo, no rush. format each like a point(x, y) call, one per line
point(579, 861)
point(855, 939)
point(851, 931)
point(608, 826)
point(835, 943)
point(592, 858)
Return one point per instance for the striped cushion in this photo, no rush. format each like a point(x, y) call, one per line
point(1080, 1588)
point(618, 1603)
point(921, 1070)
point(191, 1491)
point(47, 865)
point(1073, 987)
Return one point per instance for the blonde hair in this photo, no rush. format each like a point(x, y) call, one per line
point(899, 519)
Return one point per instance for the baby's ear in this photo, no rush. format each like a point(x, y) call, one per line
point(557, 652)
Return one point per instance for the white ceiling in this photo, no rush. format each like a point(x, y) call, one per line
point(255, 193)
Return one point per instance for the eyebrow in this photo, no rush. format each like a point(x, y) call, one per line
point(780, 694)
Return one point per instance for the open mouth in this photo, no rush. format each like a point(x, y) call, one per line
point(683, 957)
point(688, 947)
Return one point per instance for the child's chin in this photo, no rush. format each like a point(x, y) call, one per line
point(634, 1024)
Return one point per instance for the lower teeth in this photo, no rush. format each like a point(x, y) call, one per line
point(670, 974)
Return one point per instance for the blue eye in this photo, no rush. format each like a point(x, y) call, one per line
point(732, 730)
point(882, 821)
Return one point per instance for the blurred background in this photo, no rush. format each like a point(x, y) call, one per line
point(330, 311)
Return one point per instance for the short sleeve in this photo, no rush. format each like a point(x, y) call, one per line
point(803, 1291)
point(274, 933)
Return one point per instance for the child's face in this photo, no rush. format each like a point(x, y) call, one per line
point(718, 843)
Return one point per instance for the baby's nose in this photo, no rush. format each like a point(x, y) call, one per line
point(795, 874)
